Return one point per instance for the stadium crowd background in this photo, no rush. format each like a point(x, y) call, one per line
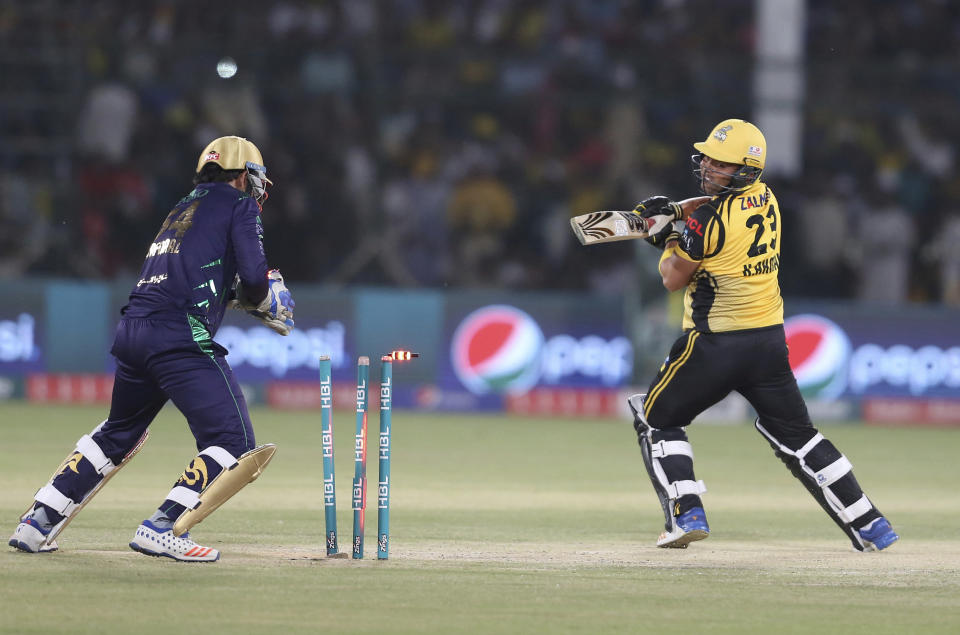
point(445, 144)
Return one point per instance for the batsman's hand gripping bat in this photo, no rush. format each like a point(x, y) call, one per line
point(611, 226)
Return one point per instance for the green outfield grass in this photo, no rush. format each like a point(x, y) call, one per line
point(499, 525)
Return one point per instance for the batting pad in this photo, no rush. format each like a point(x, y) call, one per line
point(231, 480)
point(86, 449)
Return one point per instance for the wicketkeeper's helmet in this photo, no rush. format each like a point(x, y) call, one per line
point(734, 141)
point(237, 153)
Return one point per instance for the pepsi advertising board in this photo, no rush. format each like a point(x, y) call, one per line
point(22, 329)
point(20, 350)
point(502, 348)
point(324, 326)
point(836, 352)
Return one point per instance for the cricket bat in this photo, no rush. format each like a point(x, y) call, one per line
point(611, 226)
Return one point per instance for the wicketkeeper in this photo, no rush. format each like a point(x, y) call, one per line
point(207, 255)
point(727, 256)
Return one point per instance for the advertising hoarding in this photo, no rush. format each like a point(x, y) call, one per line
point(838, 353)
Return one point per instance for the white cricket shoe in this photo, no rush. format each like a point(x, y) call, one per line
point(152, 541)
point(30, 537)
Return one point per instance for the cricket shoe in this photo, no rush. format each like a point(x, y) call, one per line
point(30, 537)
point(878, 535)
point(688, 527)
point(153, 541)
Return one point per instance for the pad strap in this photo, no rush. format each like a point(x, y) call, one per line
point(855, 511)
point(833, 472)
point(809, 445)
point(221, 456)
point(54, 499)
point(682, 488)
point(92, 452)
point(825, 477)
point(186, 497)
point(667, 448)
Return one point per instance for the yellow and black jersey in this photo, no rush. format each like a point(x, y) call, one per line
point(736, 239)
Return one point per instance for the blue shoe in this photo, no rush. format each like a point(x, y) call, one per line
point(878, 535)
point(688, 527)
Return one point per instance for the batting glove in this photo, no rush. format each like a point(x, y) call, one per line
point(275, 310)
point(661, 214)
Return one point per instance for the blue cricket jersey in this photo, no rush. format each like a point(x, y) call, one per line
point(210, 236)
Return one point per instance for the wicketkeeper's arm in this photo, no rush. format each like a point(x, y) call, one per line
point(246, 234)
point(276, 308)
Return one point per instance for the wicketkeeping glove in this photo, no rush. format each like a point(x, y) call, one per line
point(275, 310)
point(661, 214)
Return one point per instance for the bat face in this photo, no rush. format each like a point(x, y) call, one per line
point(611, 226)
point(605, 227)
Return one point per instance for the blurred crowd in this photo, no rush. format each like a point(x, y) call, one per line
point(446, 144)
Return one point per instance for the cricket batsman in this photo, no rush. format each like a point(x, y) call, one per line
point(208, 255)
point(726, 255)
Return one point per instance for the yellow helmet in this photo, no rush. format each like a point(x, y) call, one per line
point(735, 141)
point(237, 153)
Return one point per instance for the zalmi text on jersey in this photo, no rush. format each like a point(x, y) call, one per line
point(736, 239)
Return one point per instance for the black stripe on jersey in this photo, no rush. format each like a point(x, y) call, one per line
point(717, 220)
point(703, 297)
point(722, 201)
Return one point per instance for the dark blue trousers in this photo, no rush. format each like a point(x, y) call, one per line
point(161, 360)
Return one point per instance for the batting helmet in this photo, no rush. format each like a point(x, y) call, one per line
point(735, 141)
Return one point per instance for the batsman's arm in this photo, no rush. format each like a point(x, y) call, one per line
point(676, 270)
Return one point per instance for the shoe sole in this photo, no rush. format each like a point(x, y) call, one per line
point(880, 545)
point(157, 554)
point(682, 541)
point(21, 546)
point(25, 548)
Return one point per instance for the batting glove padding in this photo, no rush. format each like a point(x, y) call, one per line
point(275, 310)
point(661, 213)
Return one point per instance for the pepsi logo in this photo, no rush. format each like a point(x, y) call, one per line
point(819, 355)
point(498, 349)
